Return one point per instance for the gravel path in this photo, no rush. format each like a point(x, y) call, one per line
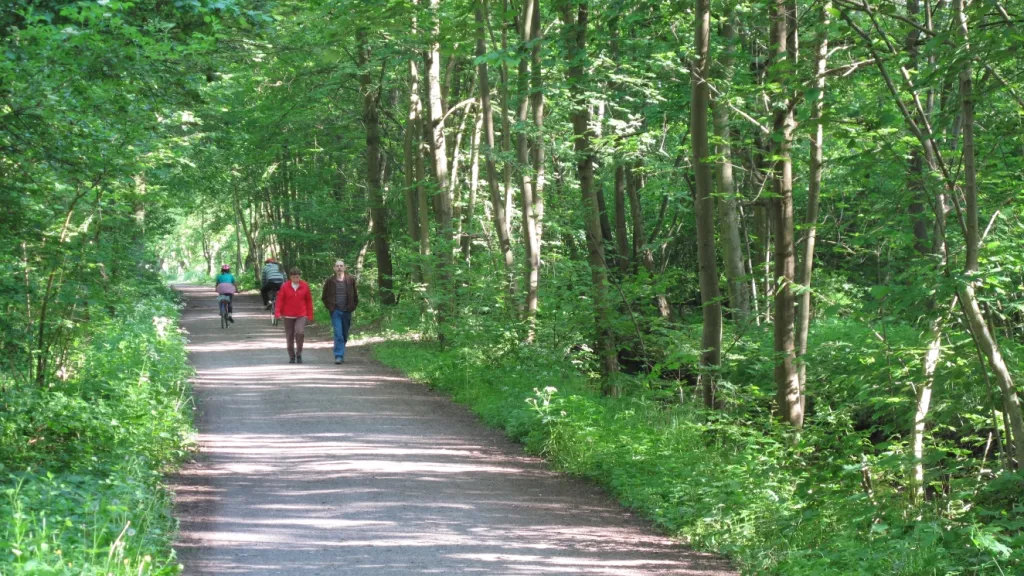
point(354, 469)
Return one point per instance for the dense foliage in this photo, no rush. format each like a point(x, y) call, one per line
point(94, 404)
point(82, 461)
point(730, 482)
point(693, 220)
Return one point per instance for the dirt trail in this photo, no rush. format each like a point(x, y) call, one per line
point(353, 469)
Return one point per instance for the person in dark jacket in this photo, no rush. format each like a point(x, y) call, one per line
point(340, 298)
point(295, 304)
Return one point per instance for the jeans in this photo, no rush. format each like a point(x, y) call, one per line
point(341, 321)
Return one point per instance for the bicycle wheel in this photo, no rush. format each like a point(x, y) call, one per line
point(223, 314)
point(273, 304)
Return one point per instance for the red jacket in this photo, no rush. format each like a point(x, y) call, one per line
point(294, 303)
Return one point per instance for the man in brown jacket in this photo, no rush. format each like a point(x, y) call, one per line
point(340, 298)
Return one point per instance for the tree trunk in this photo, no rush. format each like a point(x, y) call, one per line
point(506, 127)
point(440, 155)
point(41, 342)
point(469, 215)
point(621, 236)
point(530, 238)
point(411, 149)
point(537, 142)
point(606, 224)
point(916, 176)
point(979, 327)
point(787, 382)
point(636, 215)
point(643, 250)
point(238, 233)
point(803, 317)
point(711, 341)
point(501, 228)
point(923, 402)
point(576, 36)
point(424, 156)
point(371, 118)
point(735, 273)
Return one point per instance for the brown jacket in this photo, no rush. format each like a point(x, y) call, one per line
point(327, 296)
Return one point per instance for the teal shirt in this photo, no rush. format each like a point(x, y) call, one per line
point(225, 277)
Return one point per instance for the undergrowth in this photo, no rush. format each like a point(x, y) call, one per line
point(829, 501)
point(82, 459)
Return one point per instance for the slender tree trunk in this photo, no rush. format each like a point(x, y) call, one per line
point(728, 208)
point(711, 341)
point(576, 40)
point(923, 402)
point(506, 127)
point(641, 248)
point(469, 215)
point(787, 381)
point(537, 142)
point(371, 118)
point(606, 224)
point(761, 264)
point(287, 205)
point(983, 335)
point(501, 228)
point(440, 155)
point(41, 342)
point(250, 236)
point(636, 215)
point(621, 235)
point(411, 149)
point(916, 176)
point(530, 239)
point(238, 235)
point(424, 157)
point(803, 317)
point(454, 179)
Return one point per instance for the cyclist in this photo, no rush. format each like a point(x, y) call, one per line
point(271, 279)
point(226, 286)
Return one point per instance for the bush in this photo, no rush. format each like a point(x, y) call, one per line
point(83, 459)
point(827, 502)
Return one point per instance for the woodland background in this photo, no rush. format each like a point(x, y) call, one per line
point(755, 266)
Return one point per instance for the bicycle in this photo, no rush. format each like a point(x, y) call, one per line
point(272, 297)
point(224, 302)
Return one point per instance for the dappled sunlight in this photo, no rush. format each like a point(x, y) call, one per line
point(327, 469)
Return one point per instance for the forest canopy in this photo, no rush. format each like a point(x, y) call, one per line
point(788, 223)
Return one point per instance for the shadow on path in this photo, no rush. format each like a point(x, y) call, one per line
point(352, 469)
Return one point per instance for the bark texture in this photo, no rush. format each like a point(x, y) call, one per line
point(575, 18)
point(711, 339)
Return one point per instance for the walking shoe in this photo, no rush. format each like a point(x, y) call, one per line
point(230, 319)
point(338, 360)
point(291, 360)
point(298, 359)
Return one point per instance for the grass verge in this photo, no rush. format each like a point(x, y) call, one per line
point(747, 489)
point(83, 458)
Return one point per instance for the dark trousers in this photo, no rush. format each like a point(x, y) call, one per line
point(266, 289)
point(295, 333)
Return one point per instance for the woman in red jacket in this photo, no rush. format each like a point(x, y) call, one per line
point(295, 305)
